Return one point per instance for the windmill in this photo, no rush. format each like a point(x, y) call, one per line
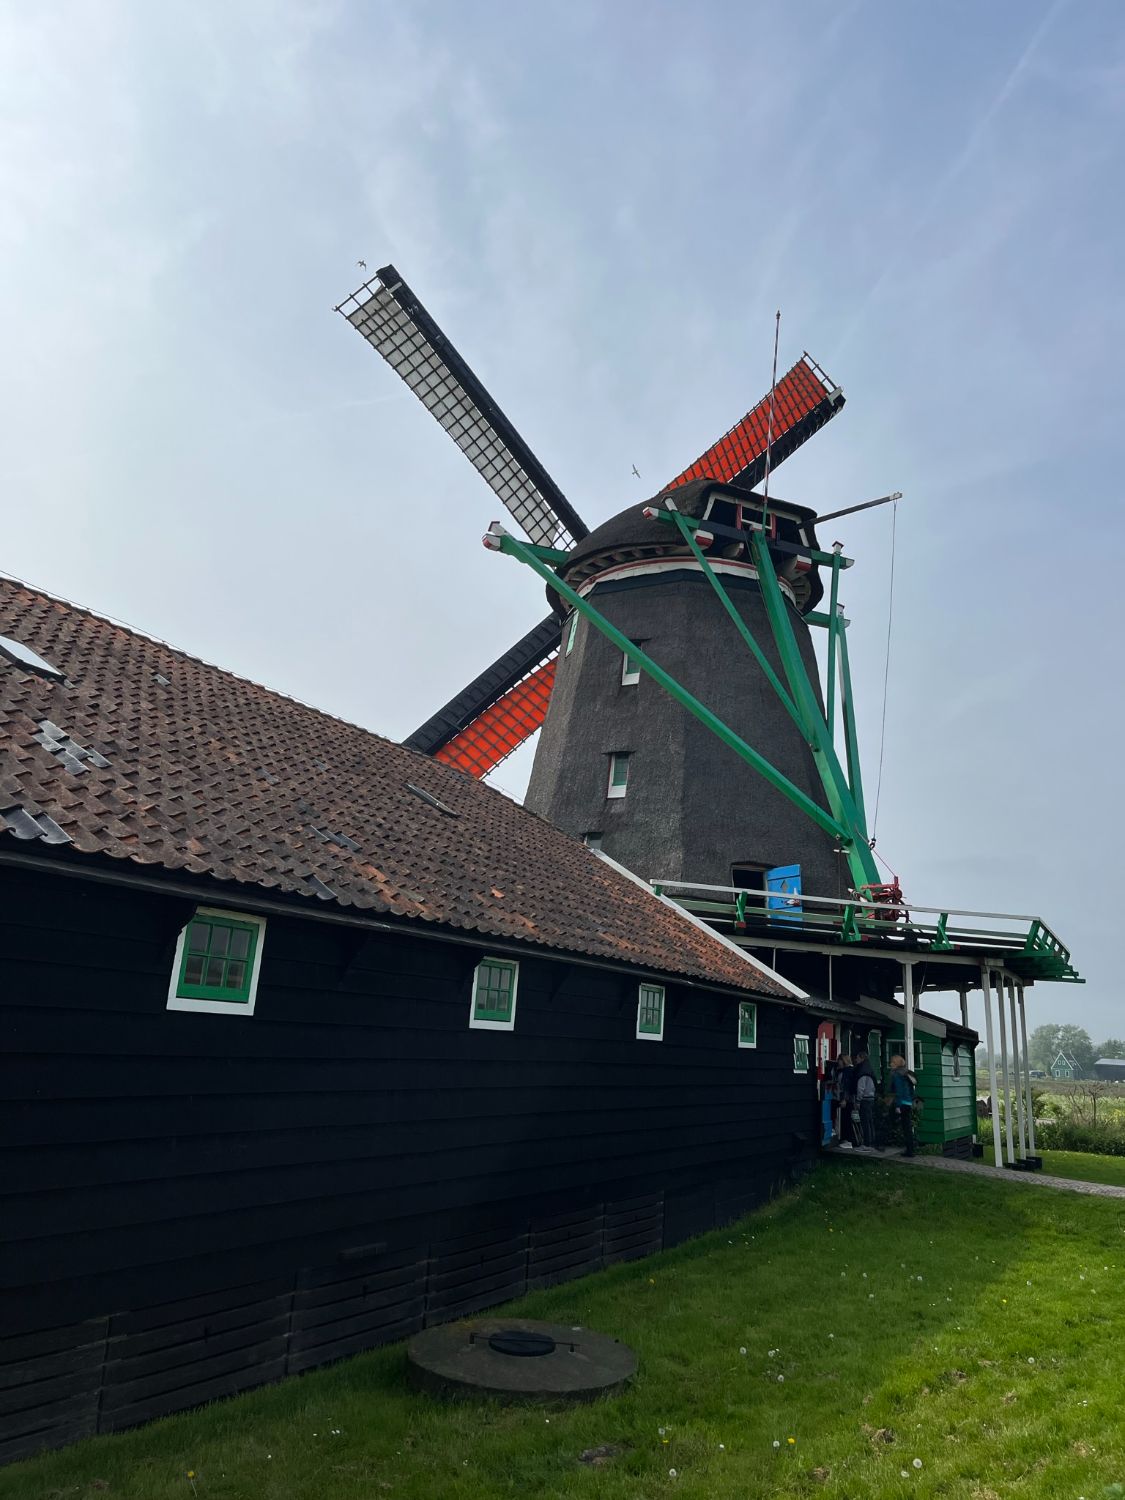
point(707, 567)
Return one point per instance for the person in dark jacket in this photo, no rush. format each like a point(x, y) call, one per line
point(845, 1089)
point(903, 1084)
point(865, 1098)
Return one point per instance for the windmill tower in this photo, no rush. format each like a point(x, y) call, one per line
point(684, 729)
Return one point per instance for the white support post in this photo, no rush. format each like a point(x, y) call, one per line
point(984, 984)
point(1004, 1071)
point(965, 1009)
point(1017, 1071)
point(908, 1003)
point(1027, 1074)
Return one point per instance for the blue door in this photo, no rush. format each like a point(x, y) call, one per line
point(783, 899)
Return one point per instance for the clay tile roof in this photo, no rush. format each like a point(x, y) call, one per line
point(143, 753)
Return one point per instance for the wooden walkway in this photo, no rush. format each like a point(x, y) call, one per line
point(955, 1164)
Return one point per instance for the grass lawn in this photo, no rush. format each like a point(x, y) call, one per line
point(1081, 1166)
point(876, 1333)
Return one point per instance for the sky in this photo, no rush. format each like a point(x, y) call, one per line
point(603, 204)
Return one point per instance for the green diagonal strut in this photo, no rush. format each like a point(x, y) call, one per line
point(521, 550)
point(840, 799)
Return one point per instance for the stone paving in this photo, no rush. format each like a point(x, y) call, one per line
point(955, 1164)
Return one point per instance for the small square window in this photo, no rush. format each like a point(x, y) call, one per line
point(897, 1047)
point(493, 1006)
point(572, 632)
point(618, 773)
point(630, 671)
point(747, 1023)
point(800, 1054)
point(593, 841)
point(650, 1013)
point(216, 965)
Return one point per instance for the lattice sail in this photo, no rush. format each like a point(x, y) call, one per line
point(399, 328)
point(804, 399)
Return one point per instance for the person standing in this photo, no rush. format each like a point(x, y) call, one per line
point(903, 1085)
point(865, 1098)
point(845, 1088)
point(827, 1100)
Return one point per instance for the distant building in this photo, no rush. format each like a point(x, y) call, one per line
point(1065, 1066)
point(1110, 1067)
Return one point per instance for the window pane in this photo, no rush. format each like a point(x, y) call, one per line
point(215, 968)
point(236, 974)
point(198, 934)
point(220, 940)
point(239, 943)
point(193, 969)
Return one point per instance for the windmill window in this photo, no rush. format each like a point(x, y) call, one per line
point(572, 632)
point(593, 841)
point(650, 1013)
point(747, 1023)
point(218, 955)
point(618, 773)
point(800, 1054)
point(493, 1005)
point(630, 671)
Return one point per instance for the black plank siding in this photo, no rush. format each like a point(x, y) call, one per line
point(194, 1204)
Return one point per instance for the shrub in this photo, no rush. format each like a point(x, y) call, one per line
point(1070, 1135)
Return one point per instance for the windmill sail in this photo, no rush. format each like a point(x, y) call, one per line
point(804, 399)
point(398, 327)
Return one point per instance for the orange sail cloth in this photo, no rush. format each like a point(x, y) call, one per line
point(798, 392)
point(504, 725)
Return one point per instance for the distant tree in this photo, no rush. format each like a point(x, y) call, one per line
point(1043, 1046)
point(1113, 1047)
point(1076, 1043)
point(1046, 1042)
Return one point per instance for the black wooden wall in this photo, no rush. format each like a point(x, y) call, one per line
point(194, 1204)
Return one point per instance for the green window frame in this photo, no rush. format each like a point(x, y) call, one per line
point(618, 773)
point(218, 956)
point(800, 1054)
point(747, 1023)
point(650, 1013)
point(898, 1044)
point(572, 632)
point(495, 982)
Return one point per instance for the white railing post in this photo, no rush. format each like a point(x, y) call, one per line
point(1027, 1068)
point(1004, 1070)
point(1017, 1071)
point(908, 1003)
point(997, 1154)
point(964, 1009)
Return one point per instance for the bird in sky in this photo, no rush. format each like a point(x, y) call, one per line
point(636, 471)
point(362, 264)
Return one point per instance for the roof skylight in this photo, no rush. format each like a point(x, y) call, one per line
point(23, 656)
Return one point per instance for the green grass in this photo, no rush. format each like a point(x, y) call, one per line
point(972, 1325)
point(1079, 1166)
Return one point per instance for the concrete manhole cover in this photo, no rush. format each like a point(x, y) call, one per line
point(518, 1360)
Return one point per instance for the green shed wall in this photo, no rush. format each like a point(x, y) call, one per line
point(948, 1104)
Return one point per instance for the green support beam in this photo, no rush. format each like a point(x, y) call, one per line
point(836, 786)
point(851, 739)
point(501, 541)
point(833, 631)
point(739, 623)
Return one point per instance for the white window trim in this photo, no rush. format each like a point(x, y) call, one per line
point(898, 1044)
point(754, 1007)
point(510, 1024)
point(651, 1036)
point(572, 630)
point(630, 672)
point(217, 1007)
point(808, 1053)
point(617, 791)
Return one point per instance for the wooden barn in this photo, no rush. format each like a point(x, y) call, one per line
point(311, 1040)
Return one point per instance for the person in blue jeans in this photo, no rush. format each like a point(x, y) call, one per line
point(827, 1101)
point(903, 1084)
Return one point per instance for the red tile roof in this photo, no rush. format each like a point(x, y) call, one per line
point(147, 754)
